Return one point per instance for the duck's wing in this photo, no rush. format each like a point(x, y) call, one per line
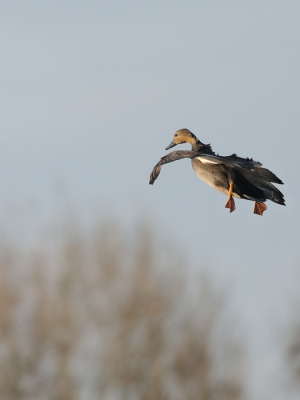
point(266, 175)
point(232, 160)
point(247, 162)
point(173, 156)
point(255, 167)
point(247, 166)
point(262, 178)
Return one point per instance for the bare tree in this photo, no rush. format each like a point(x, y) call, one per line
point(164, 344)
point(111, 317)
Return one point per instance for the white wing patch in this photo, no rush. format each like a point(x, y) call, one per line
point(209, 160)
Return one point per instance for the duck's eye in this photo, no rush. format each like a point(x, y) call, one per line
point(175, 134)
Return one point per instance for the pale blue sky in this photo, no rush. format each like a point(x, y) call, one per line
point(91, 94)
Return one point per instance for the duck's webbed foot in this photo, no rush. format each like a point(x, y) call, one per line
point(259, 208)
point(230, 202)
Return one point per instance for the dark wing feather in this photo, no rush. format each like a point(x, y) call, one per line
point(173, 156)
point(248, 163)
point(267, 175)
point(263, 181)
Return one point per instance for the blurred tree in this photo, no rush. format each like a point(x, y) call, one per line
point(110, 317)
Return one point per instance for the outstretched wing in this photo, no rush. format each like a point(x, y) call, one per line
point(232, 160)
point(247, 166)
point(173, 156)
point(252, 170)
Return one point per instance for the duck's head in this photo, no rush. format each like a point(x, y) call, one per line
point(182, 136)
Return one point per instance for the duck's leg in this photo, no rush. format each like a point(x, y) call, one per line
point(230, 202)
point(259, 208)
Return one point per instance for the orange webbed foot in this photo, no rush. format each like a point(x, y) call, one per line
point(259, 208)
point(230, 204)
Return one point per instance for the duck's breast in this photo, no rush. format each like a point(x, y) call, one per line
point(212, 174)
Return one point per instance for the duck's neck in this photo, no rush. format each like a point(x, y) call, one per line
point(197, 145)
point(194, 141)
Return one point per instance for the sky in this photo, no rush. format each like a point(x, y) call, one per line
point(92, 93)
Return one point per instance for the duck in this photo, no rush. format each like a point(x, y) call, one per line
point(236, 177)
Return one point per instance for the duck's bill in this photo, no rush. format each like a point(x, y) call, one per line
point(171, 145)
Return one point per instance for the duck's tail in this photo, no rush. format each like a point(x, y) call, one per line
point(277, 197)
point(262, 178)
point(272, 193)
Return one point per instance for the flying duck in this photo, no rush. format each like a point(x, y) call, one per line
point(234, 176)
